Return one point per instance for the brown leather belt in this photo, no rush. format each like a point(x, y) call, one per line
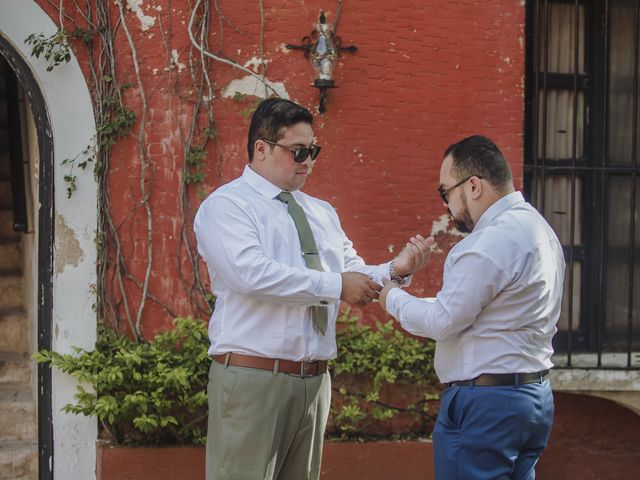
point(302, 369)
point(501, 379)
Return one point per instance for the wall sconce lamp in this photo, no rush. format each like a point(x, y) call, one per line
point(323, 48)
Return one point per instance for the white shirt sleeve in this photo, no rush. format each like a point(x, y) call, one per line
point(228, 240)
point(470, 283)
point(354, 263)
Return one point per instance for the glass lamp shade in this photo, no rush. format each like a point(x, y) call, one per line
point(323, 55)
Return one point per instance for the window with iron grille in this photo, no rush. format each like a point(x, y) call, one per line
point(581, 168)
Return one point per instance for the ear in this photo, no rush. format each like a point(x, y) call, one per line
point(476, 187)
point(259, 150)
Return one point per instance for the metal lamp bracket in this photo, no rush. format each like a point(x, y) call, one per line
point(323, 47)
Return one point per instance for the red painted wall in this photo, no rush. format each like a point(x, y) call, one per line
point(592, 438)
point(426, 73)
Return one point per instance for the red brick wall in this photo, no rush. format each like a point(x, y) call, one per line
point(426, 74)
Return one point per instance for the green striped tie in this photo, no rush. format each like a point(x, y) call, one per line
point(309, 251)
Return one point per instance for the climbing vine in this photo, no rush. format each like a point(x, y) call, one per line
point(91, 29)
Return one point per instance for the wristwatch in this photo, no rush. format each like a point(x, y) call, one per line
point(395, 276)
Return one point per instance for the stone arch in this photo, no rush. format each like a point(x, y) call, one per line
point(64, 121)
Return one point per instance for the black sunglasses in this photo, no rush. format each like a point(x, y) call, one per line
point(300, 154)
point(444, 194)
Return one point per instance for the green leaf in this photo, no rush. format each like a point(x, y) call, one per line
point(154, 390)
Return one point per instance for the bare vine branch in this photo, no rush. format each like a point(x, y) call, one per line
point(143, 170)
point(185, 239)
point(263, 63)
point(95, 24)
point(220, 59)
point(335, 20)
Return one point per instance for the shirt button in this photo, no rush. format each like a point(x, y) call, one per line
point(324, 302)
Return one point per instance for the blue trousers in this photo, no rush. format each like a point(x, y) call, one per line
point(495, 433)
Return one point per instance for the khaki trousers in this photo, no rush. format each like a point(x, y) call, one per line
point(264, 426)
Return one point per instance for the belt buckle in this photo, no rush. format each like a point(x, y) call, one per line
point(303, 369)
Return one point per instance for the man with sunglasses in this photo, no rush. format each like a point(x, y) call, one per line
point(493, 321)
point(279, 265)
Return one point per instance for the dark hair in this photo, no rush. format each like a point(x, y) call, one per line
point(478, 155)
point(271, 119)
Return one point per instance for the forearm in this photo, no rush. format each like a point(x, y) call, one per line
point(421, 317)
point(254, 274)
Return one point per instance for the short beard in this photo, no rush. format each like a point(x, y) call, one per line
point(464, 223)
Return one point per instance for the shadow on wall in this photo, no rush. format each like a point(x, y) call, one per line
point(592, 438)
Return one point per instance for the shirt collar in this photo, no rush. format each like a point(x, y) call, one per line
point(497, 208)
point(260, 184)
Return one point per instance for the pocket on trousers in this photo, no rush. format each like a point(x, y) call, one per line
point(452, 406)
point(211, 374)
point(229, 380)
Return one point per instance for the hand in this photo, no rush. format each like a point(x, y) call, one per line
point(414, 255)
point(358, 288)
point(388, 285)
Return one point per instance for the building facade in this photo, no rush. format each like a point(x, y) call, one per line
point(165, 89)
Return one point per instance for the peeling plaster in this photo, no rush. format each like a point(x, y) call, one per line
point(284, 49)
point(146, 22)
point(254, 63)
point(67, 247)
point(175, 63)
point(250, 85)
point(441, 226)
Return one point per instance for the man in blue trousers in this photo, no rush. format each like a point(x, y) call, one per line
point(493, 321)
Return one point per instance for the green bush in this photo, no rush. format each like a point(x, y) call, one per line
point(150, 392)
point(154, 392)
point(384, 382)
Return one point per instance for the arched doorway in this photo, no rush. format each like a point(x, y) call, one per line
point(52, 267)
point(20, 148)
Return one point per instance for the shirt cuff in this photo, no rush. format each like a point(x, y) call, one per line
point(330, 286)
point(392, 300)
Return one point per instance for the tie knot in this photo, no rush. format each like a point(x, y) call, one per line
point(285, 197)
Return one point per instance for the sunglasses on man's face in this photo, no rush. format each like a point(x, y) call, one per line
point(444, 192)
point(300, 154)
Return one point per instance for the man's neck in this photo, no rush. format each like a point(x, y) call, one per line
point(487, 201)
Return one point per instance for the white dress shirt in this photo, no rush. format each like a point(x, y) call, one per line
point(262, 286)
point(500, 299)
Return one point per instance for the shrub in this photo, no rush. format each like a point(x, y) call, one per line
point(383, 380)
point(150, 392)
point(154, 392)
